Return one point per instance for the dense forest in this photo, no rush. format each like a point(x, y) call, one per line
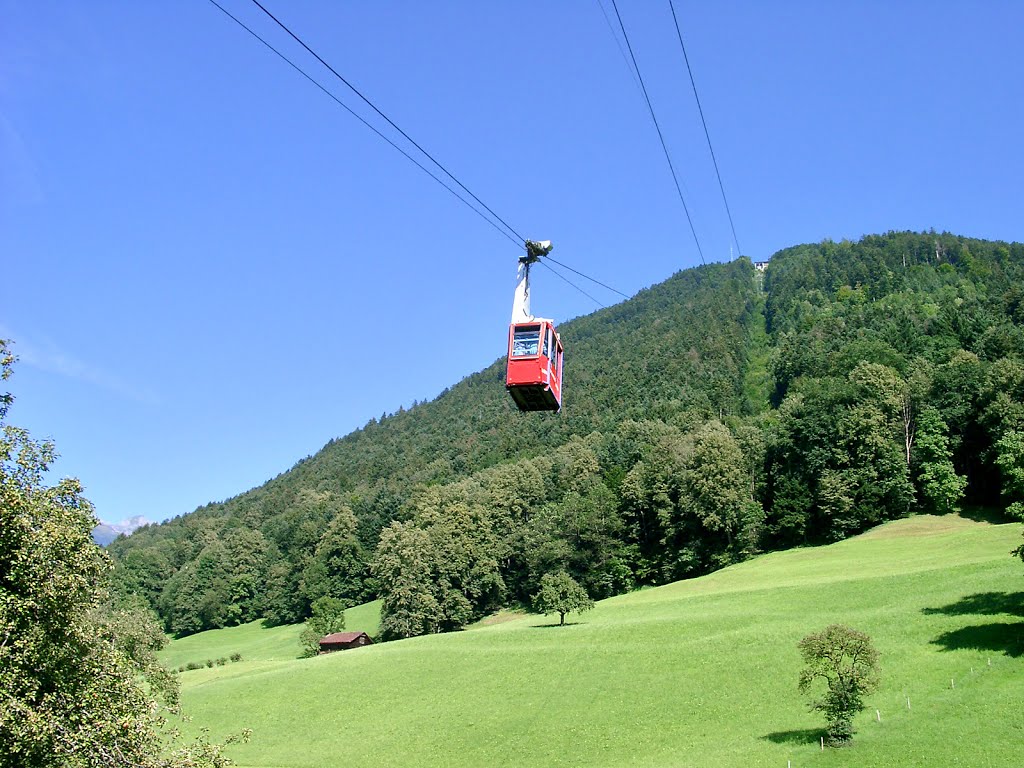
point(724, 412)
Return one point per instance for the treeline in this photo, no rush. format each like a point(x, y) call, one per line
point(649, 503)
point(705, 420)
point(899, 380)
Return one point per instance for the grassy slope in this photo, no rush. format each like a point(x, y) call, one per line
point(257, 643)
point(700, 672)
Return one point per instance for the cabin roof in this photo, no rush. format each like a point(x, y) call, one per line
point(341, 637)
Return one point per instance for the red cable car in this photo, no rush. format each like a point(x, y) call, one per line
point(534, 377)
point(534, 374)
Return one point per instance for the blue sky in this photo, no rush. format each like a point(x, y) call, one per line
point(210, 269)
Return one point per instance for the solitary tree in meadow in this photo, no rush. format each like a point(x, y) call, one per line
point(847, 662)
point(560, 593)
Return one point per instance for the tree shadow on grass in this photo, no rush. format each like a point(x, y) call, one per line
point(556, 625)
point(984, 604)
point(991, 515)
point(802, 736)
point(1000, 637)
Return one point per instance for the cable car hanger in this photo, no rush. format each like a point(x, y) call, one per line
point(534, 374)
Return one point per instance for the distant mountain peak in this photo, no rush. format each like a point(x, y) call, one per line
point(104, 533)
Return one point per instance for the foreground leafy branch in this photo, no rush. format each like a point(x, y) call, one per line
point(79, 683)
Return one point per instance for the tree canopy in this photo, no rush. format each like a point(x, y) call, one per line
point(80, 686)
point(328, 616)
point(847, 662)
point(60, 705)
point(559, 593)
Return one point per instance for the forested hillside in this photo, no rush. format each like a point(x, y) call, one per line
point(717, 414)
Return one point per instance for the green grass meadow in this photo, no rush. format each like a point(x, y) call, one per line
point(257, 643)
point(696, 673)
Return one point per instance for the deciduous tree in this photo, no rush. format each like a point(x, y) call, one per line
point(847, 662)
point(338, 568)
point(328, 616)
point(941, 487)
point(1010, 458)
point(438, 571)
point(79, 684)
point(559, 593)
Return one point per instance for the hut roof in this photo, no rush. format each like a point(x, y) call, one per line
point(341, 637)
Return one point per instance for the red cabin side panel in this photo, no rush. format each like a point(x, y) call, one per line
point(534, 373)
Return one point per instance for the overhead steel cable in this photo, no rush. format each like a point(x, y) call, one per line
point(618, 44)
point(412, 159)
point(587, 277)
point(570, 282)
point(657, 127)
point(703, 122)
point(373, 106)
point(358, 117)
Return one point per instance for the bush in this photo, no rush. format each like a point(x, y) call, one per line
point(236, 656)
point(193, 665)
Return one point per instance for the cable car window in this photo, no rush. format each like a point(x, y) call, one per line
point(525, 341)
point(547, 342)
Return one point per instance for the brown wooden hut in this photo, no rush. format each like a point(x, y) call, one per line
point(341, 641)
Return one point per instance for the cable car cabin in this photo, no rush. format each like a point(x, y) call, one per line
point(534, 377)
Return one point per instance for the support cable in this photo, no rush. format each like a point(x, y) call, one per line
point(618, 43)
point(739, 251)
point(358, 117)
point(587, 277)
point(657, 127)
point(413, 160)
point(373, 106)
point(570, 282)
